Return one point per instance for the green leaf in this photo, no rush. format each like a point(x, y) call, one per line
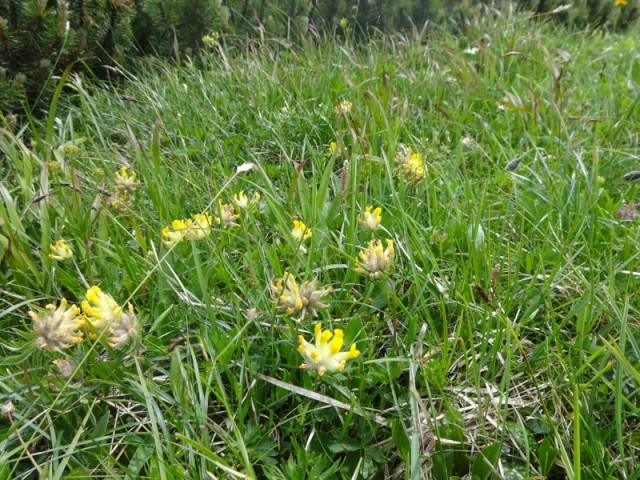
point(400, 438)
point(77, 474)
point(546, 456)
point(138, 460)
point(486, 462)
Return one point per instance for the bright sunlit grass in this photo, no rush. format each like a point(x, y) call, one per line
point(434, 229)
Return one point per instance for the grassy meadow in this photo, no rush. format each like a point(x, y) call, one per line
point(440, 227)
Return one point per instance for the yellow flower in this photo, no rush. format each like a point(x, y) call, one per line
point(176, 232)
point(60, 250)
point(125, 181)
point(58, 327)
point(372, 219)
point(622, 3)
point(103, 311)
point(375, 260)
point(291, 297)
point(332, 147)
point(410, 166)
point(300, 231)
point(227, 217)
point(324, 355)
point(200, 227)
point(105, 315)
point(343, 107)
point(246, 203)
point(120, 201)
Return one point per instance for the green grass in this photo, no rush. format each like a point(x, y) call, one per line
point(502, 343)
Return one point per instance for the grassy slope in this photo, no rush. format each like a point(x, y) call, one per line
point(510, 319)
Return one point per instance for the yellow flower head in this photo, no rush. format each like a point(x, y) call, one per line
point(410, 166)
point(375, 260)
point(200, 227)
point(60, 250)
point(105, 315)
point(227, 216)
point(343, 107)
point(246, 203)
point(300, 231)
point(126, 181)
point(103, 312)
point(176, 232)
point(120, 201)
point(324, 355)
point(58, 327)
point(371, 219)
point(622, 3)
point(304, 298)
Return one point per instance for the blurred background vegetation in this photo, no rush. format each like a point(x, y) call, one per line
point(40, 38)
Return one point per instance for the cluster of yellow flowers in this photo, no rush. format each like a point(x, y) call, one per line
point(243, 202)
point(325, 354)
point(409, 165)
point(199, 226)
point(343, 107)
point(196, 228)
point(126, 182)
point(375, 260)
point(61, 327)
point(60, 251)
point(371, 218)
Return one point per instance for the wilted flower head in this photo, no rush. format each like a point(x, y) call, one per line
point(409, 165)
point(7, 409)
point(629, 212)
point(286, 294)
point(371, 218)
point(375, 260)
point(312, 297)
point(60, 250)
point(246, 203)
point(300, 231)
point(126, 181)
point(66, 366)
point(227, 216)
point(200, 227)
point(58, 327)
point(343, 107)
point(304, 298)
point(123, 329)
point(324, 355)
point(105, 315)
